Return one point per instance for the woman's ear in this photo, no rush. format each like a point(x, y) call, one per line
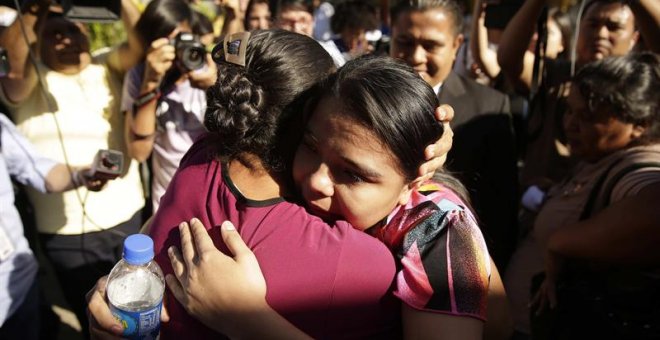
point(637, 131)
point(406, 192)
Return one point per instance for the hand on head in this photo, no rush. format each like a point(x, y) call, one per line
point(436, 153)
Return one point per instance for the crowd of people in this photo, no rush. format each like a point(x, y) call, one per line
point(340, 169)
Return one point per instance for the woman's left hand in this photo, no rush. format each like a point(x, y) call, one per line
point(436, 153)
point(215, 288)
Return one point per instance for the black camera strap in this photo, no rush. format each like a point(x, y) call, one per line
point(169, 81)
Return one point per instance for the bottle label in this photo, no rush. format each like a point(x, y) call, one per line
point(143, 324)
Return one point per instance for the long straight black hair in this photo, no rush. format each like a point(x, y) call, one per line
point(160, 18)
point(389, 98)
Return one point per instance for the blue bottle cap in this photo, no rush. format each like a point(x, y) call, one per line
point(138, 249)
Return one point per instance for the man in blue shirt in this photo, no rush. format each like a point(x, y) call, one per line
point(18, 266)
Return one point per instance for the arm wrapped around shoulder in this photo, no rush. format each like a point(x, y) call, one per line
point(445, 266)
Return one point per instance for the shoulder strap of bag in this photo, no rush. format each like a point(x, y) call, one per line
point(607, 192)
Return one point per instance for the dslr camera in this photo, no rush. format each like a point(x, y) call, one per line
point(190, 52)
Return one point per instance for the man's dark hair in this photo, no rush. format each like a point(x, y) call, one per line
point(590, 3)
point(450, 7)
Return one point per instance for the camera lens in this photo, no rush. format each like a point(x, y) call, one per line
point(190, 53)
point(193, 57)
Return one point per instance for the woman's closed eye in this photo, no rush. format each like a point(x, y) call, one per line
point(353, 177)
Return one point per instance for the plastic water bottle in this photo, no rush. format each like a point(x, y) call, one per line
point(135, 289)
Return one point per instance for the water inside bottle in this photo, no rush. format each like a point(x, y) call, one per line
point(135, 292)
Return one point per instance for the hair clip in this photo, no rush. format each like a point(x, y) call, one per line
point(232, 49)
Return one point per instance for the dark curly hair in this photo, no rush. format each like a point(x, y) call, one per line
point(627, 87)
point(248, 108)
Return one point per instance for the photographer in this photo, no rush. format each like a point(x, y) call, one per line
point(66, 104)
point(164, 96)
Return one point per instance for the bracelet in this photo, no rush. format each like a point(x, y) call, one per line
point(145, 99)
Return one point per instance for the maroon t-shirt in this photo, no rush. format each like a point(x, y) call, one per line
point(331, 281)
